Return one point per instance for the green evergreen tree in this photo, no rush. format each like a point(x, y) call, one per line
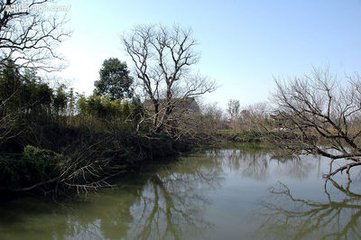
point(114, 82)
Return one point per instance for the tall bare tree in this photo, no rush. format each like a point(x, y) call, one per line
point(322, 116)
point(233, 108)
point(30, 32)
point(234, 112)
point(164, 58)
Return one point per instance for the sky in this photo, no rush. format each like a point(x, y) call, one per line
point(244, 45)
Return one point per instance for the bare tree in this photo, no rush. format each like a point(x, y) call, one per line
point(321, 116)
point(29, 35)
point(254, 117)
point(233, 108)
point(204, 125)
point(234, 111)
point(163, 58)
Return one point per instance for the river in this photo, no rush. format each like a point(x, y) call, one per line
point(235, 193)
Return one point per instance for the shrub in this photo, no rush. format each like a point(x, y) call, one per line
point(41, 163)
point(35, 165)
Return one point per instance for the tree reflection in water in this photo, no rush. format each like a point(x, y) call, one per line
point(172, 201)
point(163, 205)
point(210, 194)
point(263, 164)
point(335, 217)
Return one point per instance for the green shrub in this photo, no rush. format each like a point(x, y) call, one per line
point(33, 166)
point(41, 163)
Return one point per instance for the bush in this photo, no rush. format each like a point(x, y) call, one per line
point(33, 166)
point(41, 163)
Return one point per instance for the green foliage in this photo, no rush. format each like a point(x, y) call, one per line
point(114, 82)
point(36, 96)
point(137, 110)
point(10, 83)
point(40, 163)
point(103, 107)
point(60, 100)
point(100, 131)
point(24, 93)
point(35, 165)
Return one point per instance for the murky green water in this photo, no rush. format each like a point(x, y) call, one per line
point(217, 194)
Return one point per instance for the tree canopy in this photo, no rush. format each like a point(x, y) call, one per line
point(114, 82)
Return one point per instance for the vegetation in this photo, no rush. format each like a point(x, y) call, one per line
point(30, 37)
point(323, 116)
point(315, 114)
point(53, 140)
point(56, 146)
point(164, 58)
point(114, 82)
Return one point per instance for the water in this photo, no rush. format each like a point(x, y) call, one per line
point(215, 194)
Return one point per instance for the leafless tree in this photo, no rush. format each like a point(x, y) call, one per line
point(321, 116)
point(203, 125)
point(233, 111)
point(233, 108)
point(30, 33)
point(163, 58)
point(254, 117)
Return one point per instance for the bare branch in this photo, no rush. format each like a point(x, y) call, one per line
point(29, 36)
point(323, 117)
point(163, 59)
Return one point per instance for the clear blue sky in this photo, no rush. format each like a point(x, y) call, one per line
point(243, 44)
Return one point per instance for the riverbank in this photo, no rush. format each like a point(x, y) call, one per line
point(85, 154)
point(83, 160)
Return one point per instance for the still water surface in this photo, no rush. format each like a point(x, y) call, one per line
point(215, 194)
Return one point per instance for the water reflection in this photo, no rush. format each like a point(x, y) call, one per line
point(336, 216)
point(262, 165)
point(208, 195)
point(172, 202)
